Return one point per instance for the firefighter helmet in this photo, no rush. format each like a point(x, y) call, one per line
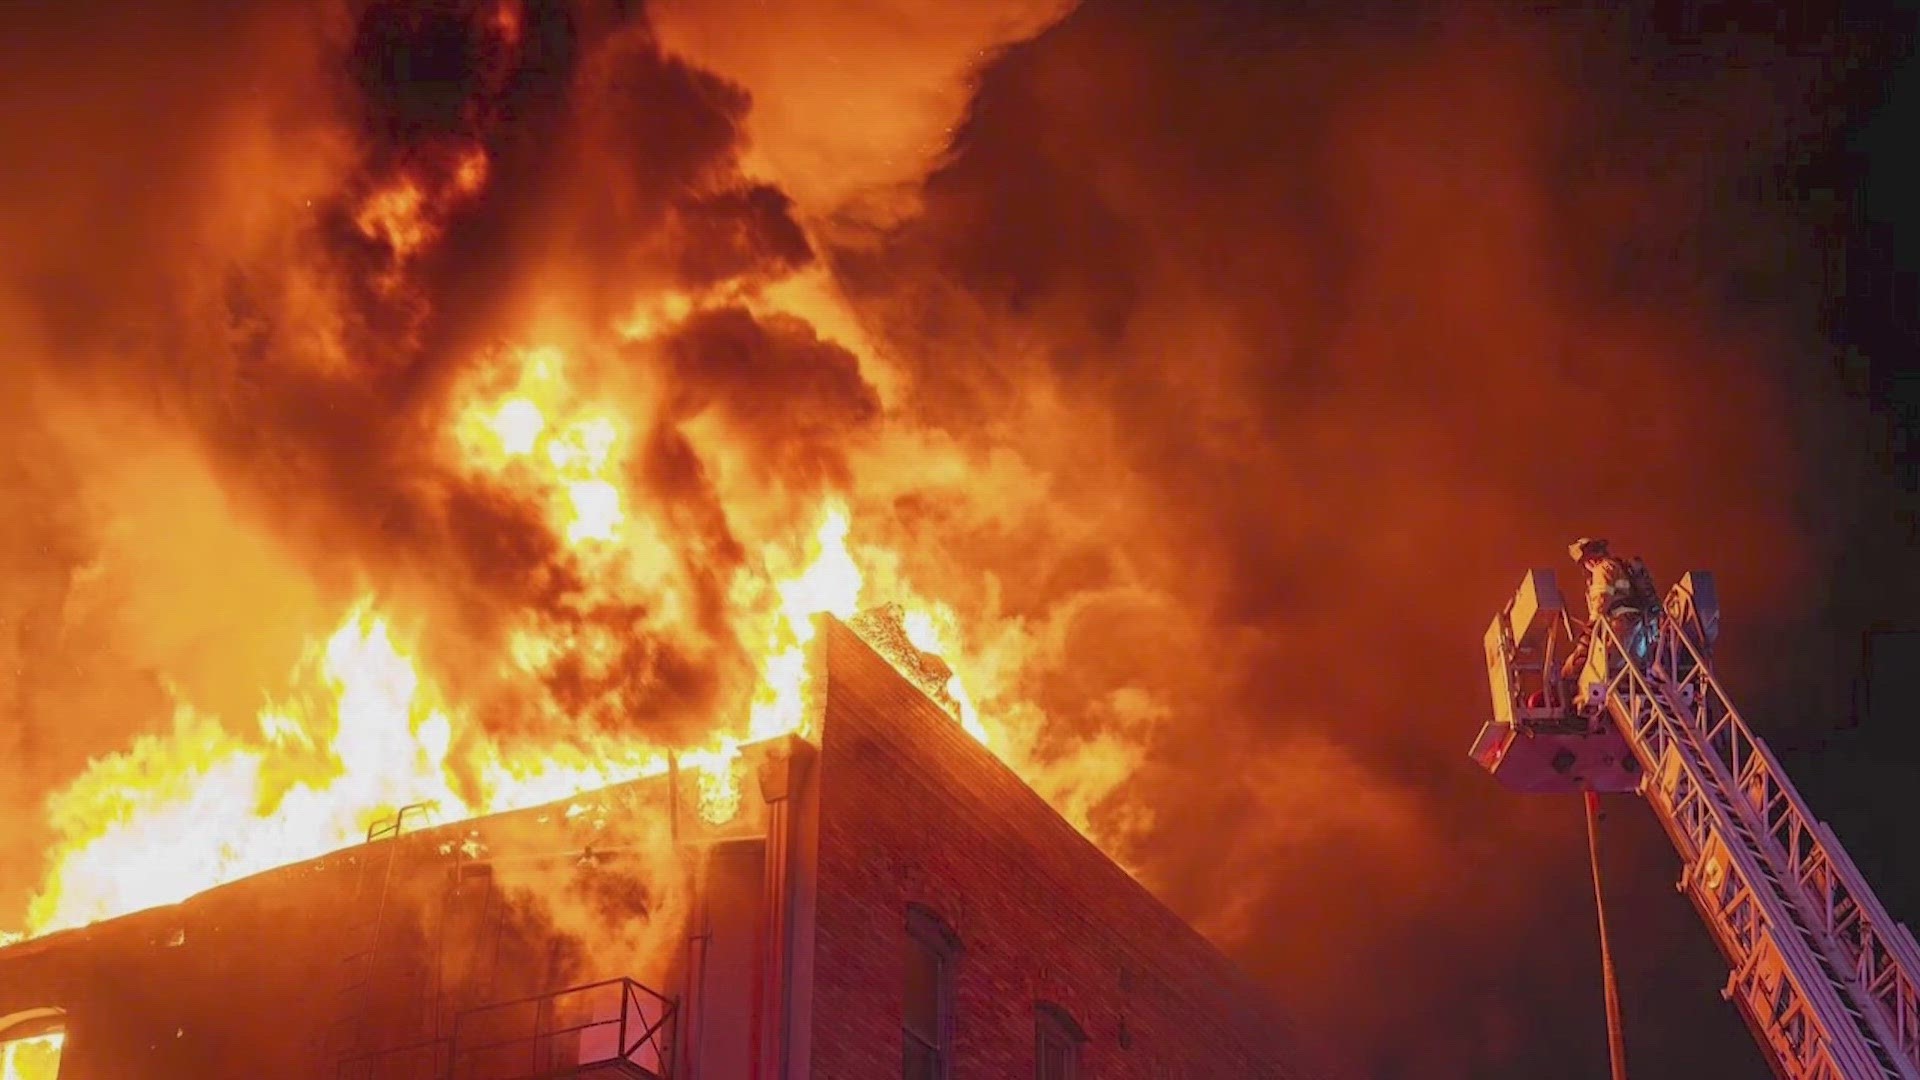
point(1585, 548)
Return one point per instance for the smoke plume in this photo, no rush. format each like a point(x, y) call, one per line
point(1319, 330)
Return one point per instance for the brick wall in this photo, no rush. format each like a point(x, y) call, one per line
point(252, 978)
point(912, 809)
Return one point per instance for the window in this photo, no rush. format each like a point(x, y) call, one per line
point(30, 1044)
point(1057, 1040)
point(927, 1015)
point(926, 969)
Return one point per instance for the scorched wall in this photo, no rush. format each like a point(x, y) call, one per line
point(914, 811)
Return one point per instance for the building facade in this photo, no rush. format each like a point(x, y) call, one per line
point(887, 900)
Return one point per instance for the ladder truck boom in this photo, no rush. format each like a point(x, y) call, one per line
point(1828, 983)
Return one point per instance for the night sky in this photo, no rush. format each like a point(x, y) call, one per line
point(1839, 688)
point(1798, 227)
point(1838, 714)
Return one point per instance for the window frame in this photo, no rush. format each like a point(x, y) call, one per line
point(37, 1023)
point(1052, 1023)
point(927, 930)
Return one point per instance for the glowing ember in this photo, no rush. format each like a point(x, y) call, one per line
point(392, 215)
point(545, 443)
point(506, 21)
point(470, 172)
point(406, 213)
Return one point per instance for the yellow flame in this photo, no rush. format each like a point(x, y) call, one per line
point(361, 732)
point(517, 425)
point(923, 632)
point(585, 445)
point(719, 794)
point(596, 510)
point(36, 1058)
point(174, 815)
point(546, 444)
point(829, 585)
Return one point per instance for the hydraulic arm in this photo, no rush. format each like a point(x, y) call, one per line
point(1824, 977)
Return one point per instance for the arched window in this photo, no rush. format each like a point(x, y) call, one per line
point(30, 1044)
point(927, 1012)
point(1056, 1043)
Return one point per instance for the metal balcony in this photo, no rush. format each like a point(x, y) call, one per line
point(616, 1028)
point(613, 1029)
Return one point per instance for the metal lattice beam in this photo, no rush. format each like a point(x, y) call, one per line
point(1823, 974)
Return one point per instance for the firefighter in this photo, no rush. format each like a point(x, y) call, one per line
point(1619, 591)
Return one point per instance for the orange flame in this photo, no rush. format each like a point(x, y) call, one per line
point(922, 626)
point(174, 815)
point(393, 215)
point(362, 732)
point(406, 214)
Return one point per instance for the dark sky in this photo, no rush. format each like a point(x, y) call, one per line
point(1768, 152)
point(1837, 713)
point(1841, 694)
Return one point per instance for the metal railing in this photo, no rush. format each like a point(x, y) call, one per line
point(429, 1058)
point(619, 1026)
point(1530, 688)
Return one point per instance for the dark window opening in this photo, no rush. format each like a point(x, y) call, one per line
point(927, 1012)
point(1057, 1040)
point(922, 1014)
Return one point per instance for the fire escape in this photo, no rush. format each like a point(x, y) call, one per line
point(617, 1028)
point(613, 1028)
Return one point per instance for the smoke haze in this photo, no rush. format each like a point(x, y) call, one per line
point(1220, 371)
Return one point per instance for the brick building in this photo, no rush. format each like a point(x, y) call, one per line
point(888, 901)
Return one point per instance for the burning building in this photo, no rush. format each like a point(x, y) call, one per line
point(880, 891)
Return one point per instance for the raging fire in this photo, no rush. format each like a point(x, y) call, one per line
point(701, 339)
point(361, 729)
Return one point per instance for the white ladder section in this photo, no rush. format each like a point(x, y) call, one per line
point(1825, 978)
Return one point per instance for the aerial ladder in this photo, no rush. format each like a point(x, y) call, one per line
point(1828, 983)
